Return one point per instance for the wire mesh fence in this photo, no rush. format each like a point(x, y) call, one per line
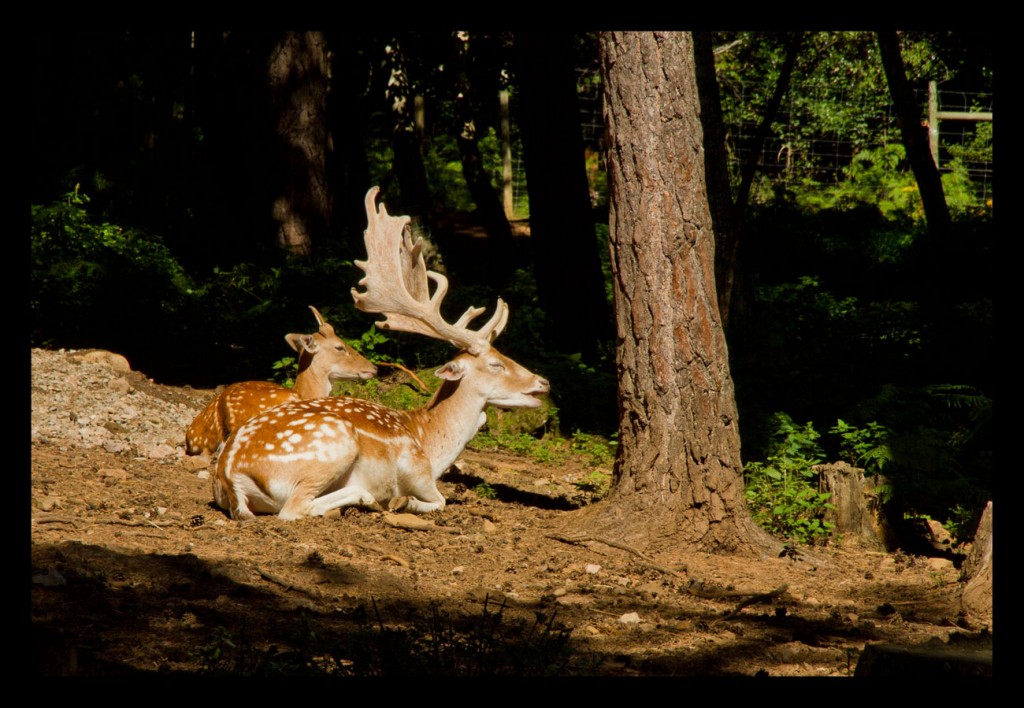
point(807, 143)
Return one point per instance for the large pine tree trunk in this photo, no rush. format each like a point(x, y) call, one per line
point(678, 475)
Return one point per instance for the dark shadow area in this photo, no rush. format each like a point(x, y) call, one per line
point(118, 611)
point(510, 495)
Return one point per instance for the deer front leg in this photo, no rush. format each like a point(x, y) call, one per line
point(345, 497)
point(419, 493)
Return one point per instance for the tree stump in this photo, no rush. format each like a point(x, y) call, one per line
point(859, 514)
point(976, 596)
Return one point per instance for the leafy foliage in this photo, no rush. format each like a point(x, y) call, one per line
point(782, 491)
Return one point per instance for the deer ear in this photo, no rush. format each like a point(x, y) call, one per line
point(452, 371)
point(298, 342)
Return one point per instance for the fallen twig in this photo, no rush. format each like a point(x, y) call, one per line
point(582, 538)
point(415, 523)
point(266, 575)
point(119, 522)
point(752, 600)
point(397, 559)
point(57, 520)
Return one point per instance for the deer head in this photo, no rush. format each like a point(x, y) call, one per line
point(323, 358)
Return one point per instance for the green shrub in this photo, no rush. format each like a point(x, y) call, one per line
point(782, 492)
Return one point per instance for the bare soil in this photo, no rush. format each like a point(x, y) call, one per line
point(135, 571)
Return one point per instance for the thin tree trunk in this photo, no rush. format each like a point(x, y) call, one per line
point(793, 45)
point(678, 474)
point(915, 138)
point(407, 142)
point(478, 181)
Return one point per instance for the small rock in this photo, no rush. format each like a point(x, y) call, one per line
point(630, 618)
point(48, 503)
point(113, 475)
point(940, 563)
point(53, 578)
point(203, 474)
point(458, 570)
point(100, 356)
point(652, 588)
point(593, 568)
point(155, 452)
point(119, 385)
point(489, 526)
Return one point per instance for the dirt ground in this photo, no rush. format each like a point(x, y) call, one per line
point(135, 571)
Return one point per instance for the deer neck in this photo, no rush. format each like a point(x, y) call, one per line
point(447, 423)
point(311, 383)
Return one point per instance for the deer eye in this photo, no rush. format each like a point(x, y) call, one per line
point(496, 365)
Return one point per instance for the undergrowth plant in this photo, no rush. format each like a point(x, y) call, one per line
point(782, 491)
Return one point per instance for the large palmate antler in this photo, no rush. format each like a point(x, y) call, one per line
point(397, 286)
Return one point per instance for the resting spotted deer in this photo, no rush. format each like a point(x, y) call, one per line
point(323, 359)
point(306, 458)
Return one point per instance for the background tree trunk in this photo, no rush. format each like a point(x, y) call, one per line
point(720, 202)
point(297, 76)
point(407, 141)
point(915, 138)
point(352, 82)
point(570, 284)
point(488, 204)
point(678, 474)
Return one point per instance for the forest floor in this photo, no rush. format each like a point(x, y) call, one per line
point(135, 571)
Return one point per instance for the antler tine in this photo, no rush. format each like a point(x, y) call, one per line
point(325, 327)
point(397, 285)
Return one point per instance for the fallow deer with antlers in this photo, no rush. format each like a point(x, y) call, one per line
point(323, 359)
point(306, 458)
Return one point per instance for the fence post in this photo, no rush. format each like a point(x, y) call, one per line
point(933, 121)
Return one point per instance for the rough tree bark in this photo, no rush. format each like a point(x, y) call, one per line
point(297, 77)
point(678, 475)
